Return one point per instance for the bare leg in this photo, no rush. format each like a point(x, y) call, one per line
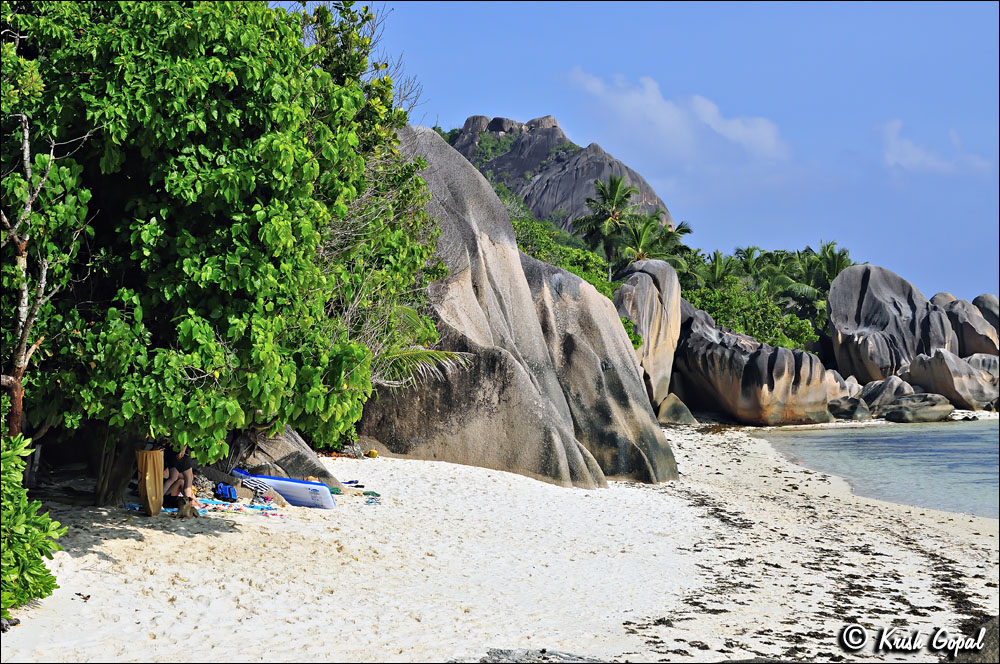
point(188, 478)
point(171, 478)
point(175, 487)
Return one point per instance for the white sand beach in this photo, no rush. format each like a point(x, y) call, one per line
point(746, 555)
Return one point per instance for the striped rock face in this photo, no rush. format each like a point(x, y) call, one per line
point(552, 390)
point(754, 383)
point(964, 385)
point(879, 322)
point(651, 299)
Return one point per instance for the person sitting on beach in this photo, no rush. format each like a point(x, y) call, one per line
point(178, 476)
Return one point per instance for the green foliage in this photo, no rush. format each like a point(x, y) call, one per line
point(543, 241)
point(248, 202)
point(611, 210)
point(491, 146)
point(590, 267)
point(732, 304)
point(566, 147)
point(449, 136)
point(798, 282)
point(633, 336)
point(27, 537)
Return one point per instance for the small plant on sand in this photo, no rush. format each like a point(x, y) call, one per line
point(27, 536)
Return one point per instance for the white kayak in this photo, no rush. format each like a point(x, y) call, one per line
point(300, 492)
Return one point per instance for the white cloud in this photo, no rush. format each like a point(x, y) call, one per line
point(643, 105)
point(678, 123)
point(759, 136)
point(903, 153)
point(900, 152)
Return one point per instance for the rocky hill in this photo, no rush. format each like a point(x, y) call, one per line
point(536, 161)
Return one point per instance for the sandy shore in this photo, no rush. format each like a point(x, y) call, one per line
point(746, 555)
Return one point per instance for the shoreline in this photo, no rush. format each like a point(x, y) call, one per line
point(956, 416)
point(457, 560)
point(762, 432)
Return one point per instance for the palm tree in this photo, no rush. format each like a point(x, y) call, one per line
point(672, 236)
point(832, 261)
point(808, 277)
point(752, 261)
point(612, 208)
point(639, 238)
point(644, 237)
point(717, 268)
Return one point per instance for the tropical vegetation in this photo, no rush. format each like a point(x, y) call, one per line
point(778, 297)
point(206, 227)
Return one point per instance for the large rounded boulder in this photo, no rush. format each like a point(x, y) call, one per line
point(946, 374)
point(551, 389)
point(975, 334)
point(651, 299)
point(880, 393)
point(753, 383)
point(879, 322)
point(989, 307)
point(919, 408)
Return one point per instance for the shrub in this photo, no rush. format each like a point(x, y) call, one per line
point(26, 536)
point(633, 336)
point(492, 146)
point(743, 310)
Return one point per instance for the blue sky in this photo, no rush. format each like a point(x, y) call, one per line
point(780, 125)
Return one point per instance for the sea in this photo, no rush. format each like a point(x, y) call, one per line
point(952, 466)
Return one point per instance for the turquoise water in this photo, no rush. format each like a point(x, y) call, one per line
point(951, 466)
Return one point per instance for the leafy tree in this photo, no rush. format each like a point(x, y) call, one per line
point(249, 207)
point(491, 146)
point(449, 136)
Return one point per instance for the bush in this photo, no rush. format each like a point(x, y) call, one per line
point(492, 146)
point(633, 336)
point(743, 310)
point(26, 536)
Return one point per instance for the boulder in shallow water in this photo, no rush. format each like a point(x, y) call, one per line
point(879, 322)
point(720, 370)
point(673, 411)
point(880, 393)
point(553, 389)
point(918, 408)
point(651, 299)
point(947, 374)
point(849, 408)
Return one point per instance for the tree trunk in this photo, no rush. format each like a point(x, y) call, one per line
point(116, 469)
point(16, 413)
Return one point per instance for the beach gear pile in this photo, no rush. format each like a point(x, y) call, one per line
point(216, 506)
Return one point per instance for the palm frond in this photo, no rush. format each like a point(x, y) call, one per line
point(410, 365)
